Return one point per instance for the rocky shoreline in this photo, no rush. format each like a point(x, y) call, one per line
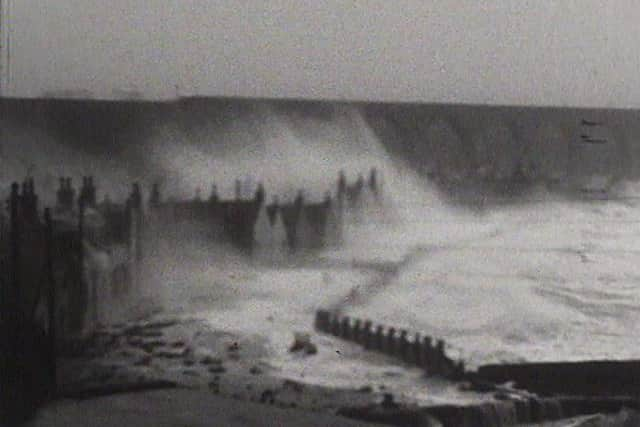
point(183, 353)
point(168, 353)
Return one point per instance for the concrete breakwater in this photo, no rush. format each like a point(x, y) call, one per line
point(512, 412)
point(415, 349)
point(598, 377)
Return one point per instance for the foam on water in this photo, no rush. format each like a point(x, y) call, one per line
point(540, 279)
point(552, 281)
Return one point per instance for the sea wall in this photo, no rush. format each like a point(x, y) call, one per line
point(498, 413)
point(599, 377)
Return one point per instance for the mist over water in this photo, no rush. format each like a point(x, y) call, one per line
point(286, 153)
point(185, 147)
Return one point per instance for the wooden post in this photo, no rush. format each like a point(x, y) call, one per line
point(366, 334)
point(357, 326)
point(14, 298)
point(391, 342)
point(459, 372)
point(135, 219)
point(14, 324)
point(131, 237)
point(427, 355)
point(440, 357)
point(322, 321)
point(378, 340)
point(335, 325)
point(139, 232)
point(81, 246)
point(345, 328)
point(51, 300)
point(13, 375)
point(403, 345)
point(317, 323)
point(416, 348)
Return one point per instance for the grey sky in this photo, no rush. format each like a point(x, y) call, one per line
point(544, 52)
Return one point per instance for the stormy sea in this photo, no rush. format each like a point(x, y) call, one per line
point(504, 269)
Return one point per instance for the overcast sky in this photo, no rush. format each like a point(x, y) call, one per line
point(542, 52)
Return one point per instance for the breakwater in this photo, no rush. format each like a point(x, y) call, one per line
point(412, 348)
point(512, 412)
point(543, 391)
point(595, 378)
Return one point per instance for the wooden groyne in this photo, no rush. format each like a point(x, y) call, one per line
point(554, 391)
point(415, 349)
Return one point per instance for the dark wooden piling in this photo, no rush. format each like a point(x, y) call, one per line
point(459, 370)
point(322, 321)
point(335, 325)
point(403, 345)
point(439, 362)
point(356, 331)
point(427, 354)
point(416, 350)
point(366, 334)
point(316, 321)
point(51, 300)
point(80, 243)
point(14, 307)
point(390, 347)
point(378, 338)
point(345, 328)
point(14, 294)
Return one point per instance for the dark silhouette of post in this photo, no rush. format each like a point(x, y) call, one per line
point(440, 357)
point(81, 244)
point(260, 195)
point(378, 338)
point(84, 191)
point(391, 342)
point(356, 331)
point(373, 180)
point(459, 370)
point(154, 199)
point(345, 328)
point(12, 374)
point(213, 198)
point(136, 216)
point(71, 193)
point(238, 189)
point(403, 345)
point(416, 349)
point(92, 192)
point(335, 325)
point(367, 334)
point(298, 204)
point(322, 321)
point(51, 300)
point(14, 296)
point(427, 354)
point(60, 194)
point(342, 183)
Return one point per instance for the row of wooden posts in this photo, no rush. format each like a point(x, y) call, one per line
point(418, 350)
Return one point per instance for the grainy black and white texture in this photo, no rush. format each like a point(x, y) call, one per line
point(412, 214)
